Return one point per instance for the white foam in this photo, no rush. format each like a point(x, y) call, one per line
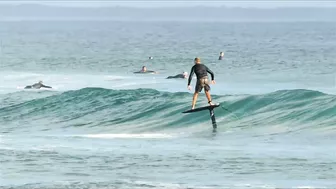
point(152, 135)
point(168, 185)
point(114, 78)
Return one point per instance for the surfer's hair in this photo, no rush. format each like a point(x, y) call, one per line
point(198, 60)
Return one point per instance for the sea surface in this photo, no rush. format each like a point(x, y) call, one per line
point(101, 126)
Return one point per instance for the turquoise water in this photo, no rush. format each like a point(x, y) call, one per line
point(101, 126)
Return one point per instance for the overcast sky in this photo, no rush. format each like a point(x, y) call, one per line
point(176, 3)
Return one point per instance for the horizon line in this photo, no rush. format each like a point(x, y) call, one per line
point(154, 7)
point(261, 4)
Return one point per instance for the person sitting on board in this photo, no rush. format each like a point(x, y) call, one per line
point(221, 56)
point(201, 72)
point(144, 70)
point(37, 86)
point(184, 75)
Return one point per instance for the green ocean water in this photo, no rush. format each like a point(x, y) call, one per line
point(101, 126)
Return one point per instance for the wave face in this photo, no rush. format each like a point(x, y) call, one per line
point(147, 110)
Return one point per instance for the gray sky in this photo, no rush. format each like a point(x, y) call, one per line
point(175, 3)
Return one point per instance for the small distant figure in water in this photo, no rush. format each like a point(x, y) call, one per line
point(144, 70)
point(37, 86)
point(221, 56)
point(150, 58)
point(184, 75)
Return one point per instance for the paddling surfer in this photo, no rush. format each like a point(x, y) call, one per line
point(144, 70)
point(37, 86)
point(201, 72)
point(184, 75)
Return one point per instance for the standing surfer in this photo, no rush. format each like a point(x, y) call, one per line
point(201, 72)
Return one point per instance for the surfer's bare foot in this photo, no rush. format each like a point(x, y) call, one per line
point(192, 107)
point(210, 103)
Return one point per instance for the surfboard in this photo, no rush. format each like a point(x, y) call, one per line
point(202, 108)
point(147, 72)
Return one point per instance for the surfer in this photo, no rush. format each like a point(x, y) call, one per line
point(144, 70)
point(184, 75)
point(37, 86)
point(221, 56)
point(201, 72)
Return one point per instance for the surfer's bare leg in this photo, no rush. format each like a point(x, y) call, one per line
point(207, 94)
point(194, 100)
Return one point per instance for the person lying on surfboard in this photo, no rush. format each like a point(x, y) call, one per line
point(201, 72)
point(144, 70)
point(37, 86)
point(184, 75)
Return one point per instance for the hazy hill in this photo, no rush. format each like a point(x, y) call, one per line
point(41, 12)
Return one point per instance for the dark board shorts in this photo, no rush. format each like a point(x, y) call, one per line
point(202, 83)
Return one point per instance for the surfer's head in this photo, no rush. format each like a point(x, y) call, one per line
point(150, 58)
point(185, 74)
point(221, 54)
point(144, 68)
point(197, 60)
point(40, 82)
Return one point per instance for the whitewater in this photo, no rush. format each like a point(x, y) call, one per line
point(101, 126)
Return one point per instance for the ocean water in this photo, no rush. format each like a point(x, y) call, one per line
point(101, 126)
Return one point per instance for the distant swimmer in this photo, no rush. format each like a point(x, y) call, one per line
point(201, 72)
point(221, 56)
point(184, 75)
point(150, 58)
point(37, 86)
point(144, 70)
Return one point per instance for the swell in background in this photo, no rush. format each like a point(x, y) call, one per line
point(99, 110)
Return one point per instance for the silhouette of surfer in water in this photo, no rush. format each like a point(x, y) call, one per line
point(144, 70)
point(184, 75)
point(221, 56)
point(37, 86)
